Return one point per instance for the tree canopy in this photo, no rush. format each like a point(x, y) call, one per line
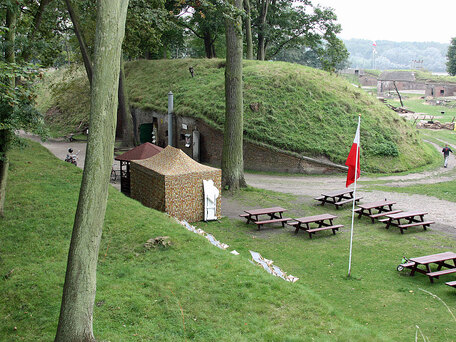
point(451, 56)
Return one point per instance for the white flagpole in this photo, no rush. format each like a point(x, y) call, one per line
point(354, 196)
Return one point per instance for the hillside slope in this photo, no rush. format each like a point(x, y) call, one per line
point(190, 290)
point(287, 106)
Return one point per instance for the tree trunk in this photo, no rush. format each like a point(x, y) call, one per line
point(232, 154)
point(5, 134)
point(208, 45)
point(262, 30)
point(76, 312)
point(129, 136)
point(248, 30)
point(82, 45)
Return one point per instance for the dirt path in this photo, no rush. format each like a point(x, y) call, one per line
point(307, 187)
point(441, 211)
point(59, 148)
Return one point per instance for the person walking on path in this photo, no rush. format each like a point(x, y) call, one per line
point(446, 154)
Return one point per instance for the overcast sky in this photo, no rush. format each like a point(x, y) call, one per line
point(396, 20)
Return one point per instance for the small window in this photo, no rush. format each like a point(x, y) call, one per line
point(442, 91)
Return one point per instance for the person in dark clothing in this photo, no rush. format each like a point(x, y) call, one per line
point(446, 154)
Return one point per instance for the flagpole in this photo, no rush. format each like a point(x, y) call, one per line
point(353, 208)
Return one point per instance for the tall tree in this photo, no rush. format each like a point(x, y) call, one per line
point(5, 133)
point(124, 114)
point(81, 40)
point(248, 30)
point(232, 153)
point(451, 57)
point(206, 21)
point(263, 6)
point(76, 313)
point(283, 24)
point(16, 97)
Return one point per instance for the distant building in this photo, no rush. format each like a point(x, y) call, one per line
point(404, 80)
point(440, 89)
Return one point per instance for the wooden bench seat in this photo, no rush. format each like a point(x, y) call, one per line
point(281, 220)
point(244, 215)
point(385, 213)
point(451, 283)
point(293, 223)
point(334, 228)
point(413, 224)
point(338, 204)
point(320, 198)
point(357, 210)
point(408, 264)
point(437, 274)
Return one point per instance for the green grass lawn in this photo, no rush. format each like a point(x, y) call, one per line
point(195, 291)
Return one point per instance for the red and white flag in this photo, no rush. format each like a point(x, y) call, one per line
point(353, 159)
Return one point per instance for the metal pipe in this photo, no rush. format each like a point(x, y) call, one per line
point(170, 118)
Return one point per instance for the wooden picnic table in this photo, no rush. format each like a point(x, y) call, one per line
point(440, 259)
point(411, 218)
point(324, 222)
point(381, 208)
point(338, 197)
point(274, 215)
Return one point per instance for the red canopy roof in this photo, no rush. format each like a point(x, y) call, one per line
point(143, 151)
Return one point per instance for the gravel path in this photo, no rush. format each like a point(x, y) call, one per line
point(441, 211)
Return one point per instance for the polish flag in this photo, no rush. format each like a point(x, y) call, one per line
point(374, 44)
point(353, 160)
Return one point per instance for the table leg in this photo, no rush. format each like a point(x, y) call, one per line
point(399, 223)
point(370, 213)
point(361, 213)
point(428, 269)
point(298, 226)
point(388, 223)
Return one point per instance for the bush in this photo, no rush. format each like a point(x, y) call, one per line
point(384, 148)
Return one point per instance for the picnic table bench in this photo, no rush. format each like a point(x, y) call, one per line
point(338, 198)
point(320, 220)
point(411, 218)
point(381, 208)
point(451, 283)
point(440, 259)
point(274, 216)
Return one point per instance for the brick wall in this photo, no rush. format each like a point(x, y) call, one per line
point(256, 157)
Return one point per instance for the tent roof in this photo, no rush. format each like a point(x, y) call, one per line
point(142, 151)
point(173, 161)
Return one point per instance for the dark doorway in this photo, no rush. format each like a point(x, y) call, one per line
point(145, 132)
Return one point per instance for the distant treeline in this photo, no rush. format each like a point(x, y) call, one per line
point(430, 56)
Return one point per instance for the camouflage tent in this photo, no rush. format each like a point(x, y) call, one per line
point(173, 182)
